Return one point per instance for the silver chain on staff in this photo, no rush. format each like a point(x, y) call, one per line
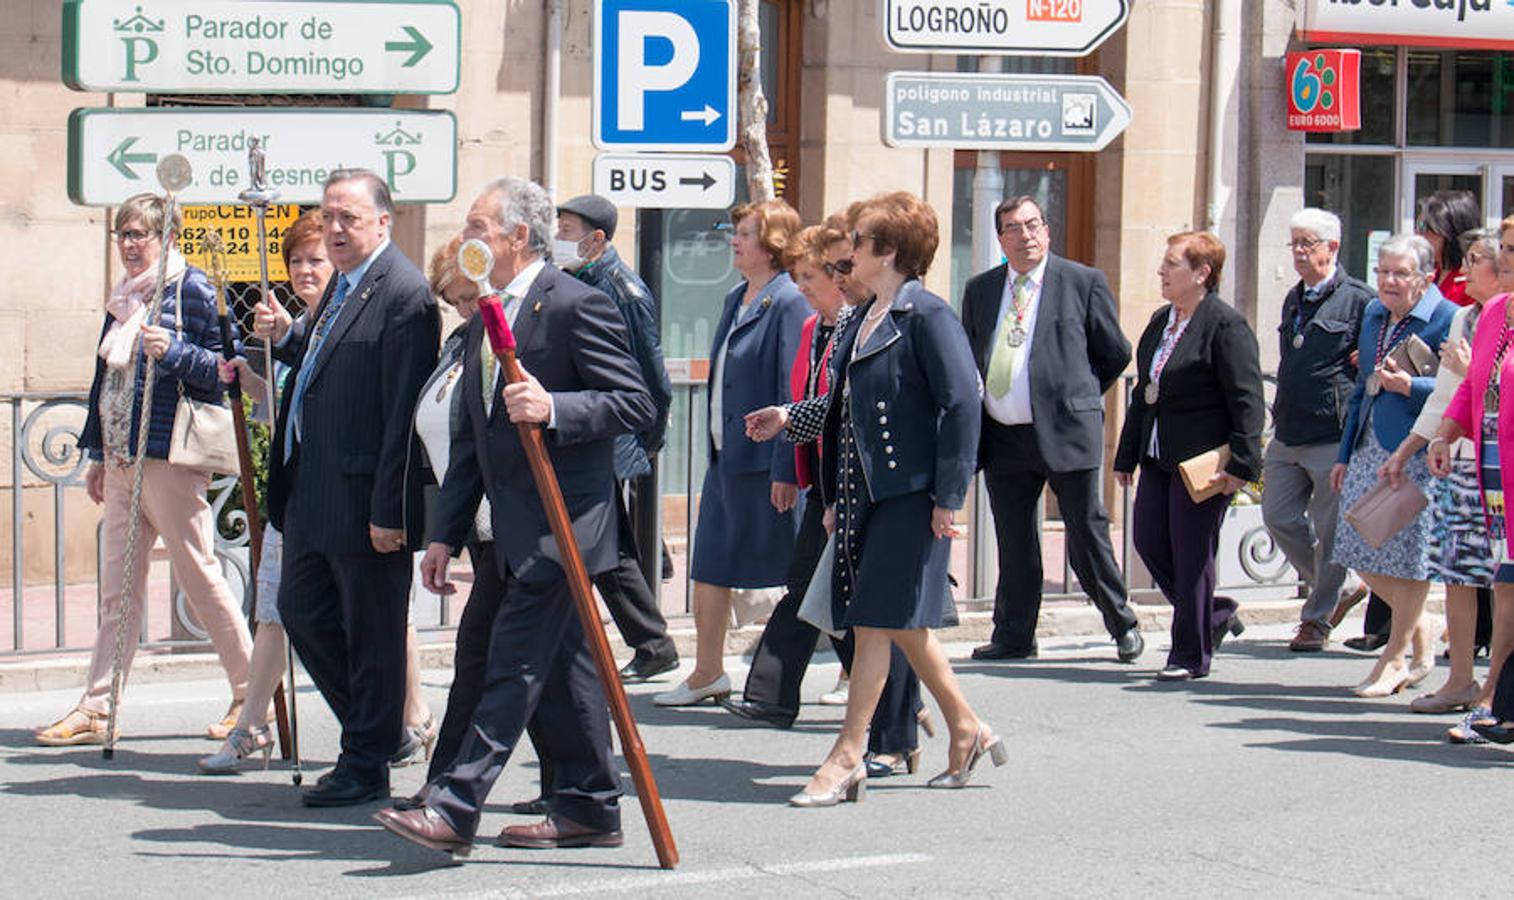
point(174, 174)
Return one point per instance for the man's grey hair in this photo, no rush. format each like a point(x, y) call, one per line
point(1412, 246)
point(1321, 223)
point(523, 202)
point(377, 188)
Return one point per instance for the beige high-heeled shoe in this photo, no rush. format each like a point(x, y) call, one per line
point(1392, 680)
point(954, 780)
point(852, 788)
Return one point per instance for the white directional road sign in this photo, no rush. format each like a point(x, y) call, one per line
point(111, 152)
point(1002, 112)
point(1013, 27)
point(665, 75)
point(262, 46)
point(666, 180)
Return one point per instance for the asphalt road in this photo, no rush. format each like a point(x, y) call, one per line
point(1266, 778)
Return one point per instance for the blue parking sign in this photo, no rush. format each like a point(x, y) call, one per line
point(665, 75)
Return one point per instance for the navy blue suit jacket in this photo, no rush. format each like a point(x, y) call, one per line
point(756, 374)
point(357, 413)
point(572, 338)
point(915, 402)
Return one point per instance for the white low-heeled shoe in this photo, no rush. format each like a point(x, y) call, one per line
point(683, 695)
point(852, 788)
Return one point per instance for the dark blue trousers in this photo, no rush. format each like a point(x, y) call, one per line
point(1177, 540)
point(538, 666)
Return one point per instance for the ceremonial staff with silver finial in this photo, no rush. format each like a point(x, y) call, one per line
point(259, 196)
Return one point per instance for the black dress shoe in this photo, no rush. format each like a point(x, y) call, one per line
point(537, 807)
point(1232, 626)
point(1497, 732)
point(757, 711)
point(344, 790)
point(1367, 643)
point(639, 670)
point(414, 801)
point(999, 651)
point(1130, 645)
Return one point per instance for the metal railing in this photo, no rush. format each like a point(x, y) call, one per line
point(45, 427)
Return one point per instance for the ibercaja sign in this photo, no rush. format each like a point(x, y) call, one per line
point(1324, 90)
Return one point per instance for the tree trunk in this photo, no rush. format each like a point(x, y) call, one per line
point(753, 105)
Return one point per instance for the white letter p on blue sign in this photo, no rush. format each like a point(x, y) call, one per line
point(665, 75)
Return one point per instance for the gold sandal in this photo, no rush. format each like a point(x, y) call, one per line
point(80, 726)
point(218, 731)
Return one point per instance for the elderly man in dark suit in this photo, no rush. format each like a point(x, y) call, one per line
point(1048, 344)
point(583, 386)
point(340, 487)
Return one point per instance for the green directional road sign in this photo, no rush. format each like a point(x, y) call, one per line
point(112, 152)
point(262, 46)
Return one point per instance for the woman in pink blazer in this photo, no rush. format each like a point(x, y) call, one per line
point(1483, 409)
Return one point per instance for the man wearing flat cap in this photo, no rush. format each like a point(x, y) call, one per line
point(585, 227)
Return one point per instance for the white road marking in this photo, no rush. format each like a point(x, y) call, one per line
point(710, 876)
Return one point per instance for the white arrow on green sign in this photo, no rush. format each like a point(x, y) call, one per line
point(112, 152)
point(262, 46)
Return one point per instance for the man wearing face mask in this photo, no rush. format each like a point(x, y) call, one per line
point(585, 227)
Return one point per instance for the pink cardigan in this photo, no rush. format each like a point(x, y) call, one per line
point(1466, 405)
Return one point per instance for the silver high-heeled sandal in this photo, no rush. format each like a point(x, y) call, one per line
point(240, 744)
point(853, 788)
point(959, 779)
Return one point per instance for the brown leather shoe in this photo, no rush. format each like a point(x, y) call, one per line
point(423, 826)
point(1310, 637)
point(551, 833)
point(1346, 603)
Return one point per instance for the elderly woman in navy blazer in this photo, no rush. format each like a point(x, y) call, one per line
point(903, 417)
point(1383, 408)
point(748, 514)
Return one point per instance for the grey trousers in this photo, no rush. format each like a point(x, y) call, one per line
point(1301, 512)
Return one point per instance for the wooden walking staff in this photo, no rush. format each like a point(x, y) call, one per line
point(259, 196)
point(475, 260)
point(215, 254)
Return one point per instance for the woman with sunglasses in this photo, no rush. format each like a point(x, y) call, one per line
point(902, 415)
point(820, 263)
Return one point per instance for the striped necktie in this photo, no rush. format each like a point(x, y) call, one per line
point(295, 429)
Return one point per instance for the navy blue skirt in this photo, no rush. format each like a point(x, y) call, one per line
point(740, 541)
point(891, 569)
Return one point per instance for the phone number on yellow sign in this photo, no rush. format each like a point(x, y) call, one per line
point(238, 228)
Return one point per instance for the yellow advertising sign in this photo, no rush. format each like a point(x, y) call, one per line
point(238, 227)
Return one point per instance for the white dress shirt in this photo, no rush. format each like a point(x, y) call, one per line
point(1014, 407)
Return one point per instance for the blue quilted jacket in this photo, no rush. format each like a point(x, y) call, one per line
point(190, 361)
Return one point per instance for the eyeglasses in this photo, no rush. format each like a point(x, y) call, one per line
point(1394, 274)
point(133, 236)
point(1030, 227)
point(1506, 248)
point(858, 237)
point(1305, 244)
point(1474, 258)
point(839, 267)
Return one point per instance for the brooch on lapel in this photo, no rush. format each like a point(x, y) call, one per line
point(364, 294)
point(536, 309)
point(766, 302)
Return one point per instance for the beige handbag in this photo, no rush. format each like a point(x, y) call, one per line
point(204, 434)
